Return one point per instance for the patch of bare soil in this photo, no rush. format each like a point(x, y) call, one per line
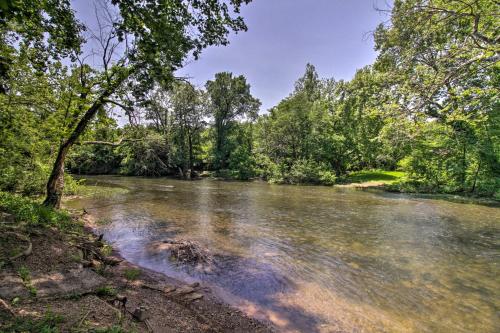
point(75, 278)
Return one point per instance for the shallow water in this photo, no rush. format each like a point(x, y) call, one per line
point(318, 259)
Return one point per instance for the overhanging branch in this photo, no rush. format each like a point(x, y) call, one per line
point(107, 143)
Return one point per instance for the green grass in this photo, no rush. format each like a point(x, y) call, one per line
point(132, 273)
point(106, 291)
point(25, 275)
point(386, 177)
point(34, 213)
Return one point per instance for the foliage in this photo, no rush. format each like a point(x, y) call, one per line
point(143, 43)
point(30, 116)
point(27, 210)
point(106, 291)
point(43, 30)
point(309, 172)
point(442, 59)
point(428, 105)
point(144, 157)
point(230, 99)
point(241, 160)
point(25, 275)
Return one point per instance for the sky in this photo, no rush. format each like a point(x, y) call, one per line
point(282, 37)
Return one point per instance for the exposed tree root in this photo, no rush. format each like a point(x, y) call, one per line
point(27, 251)
point(5, 308)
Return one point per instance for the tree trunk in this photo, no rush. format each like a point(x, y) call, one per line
point(55, 185)
point(475, 177)
point(464, 167)
point(190, 143)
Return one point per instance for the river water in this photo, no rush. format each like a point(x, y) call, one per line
point(316, 259)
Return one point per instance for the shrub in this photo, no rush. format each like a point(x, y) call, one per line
point(310, 172)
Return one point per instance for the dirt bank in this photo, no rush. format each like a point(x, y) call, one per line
point(75, 283)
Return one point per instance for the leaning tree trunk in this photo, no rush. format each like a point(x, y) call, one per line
point(55, 185)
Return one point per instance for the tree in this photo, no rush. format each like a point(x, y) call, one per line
point(156, 38)
point(442, 58)
point(43, 30)
point(188, 112)
point(309, 83)
point(230, 100)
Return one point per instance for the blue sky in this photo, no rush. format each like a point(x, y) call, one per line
point(282, 37)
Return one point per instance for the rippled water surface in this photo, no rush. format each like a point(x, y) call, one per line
point(318, 259)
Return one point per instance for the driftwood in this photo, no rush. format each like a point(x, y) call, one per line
point(188, 252)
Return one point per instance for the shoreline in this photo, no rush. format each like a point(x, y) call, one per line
point(154, 279)
point(69, 289)
point(267, 320)
point(367, 185)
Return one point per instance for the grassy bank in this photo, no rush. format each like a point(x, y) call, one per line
point(374, 176)
point(32, 213)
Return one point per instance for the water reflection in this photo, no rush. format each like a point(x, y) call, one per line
point(318, 259)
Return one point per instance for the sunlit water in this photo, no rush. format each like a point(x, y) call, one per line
point(318, 259)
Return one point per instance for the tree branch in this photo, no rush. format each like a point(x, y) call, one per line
point(123, 106)
point(107, 143)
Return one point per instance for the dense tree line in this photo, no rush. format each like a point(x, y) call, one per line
point(140, 43)
point(429, 106)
